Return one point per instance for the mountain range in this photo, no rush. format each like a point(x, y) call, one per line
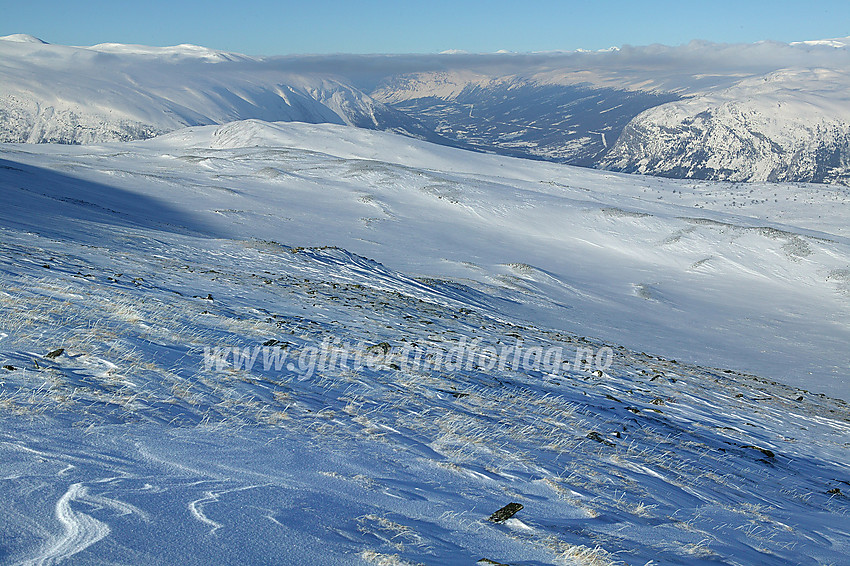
point(758, 112)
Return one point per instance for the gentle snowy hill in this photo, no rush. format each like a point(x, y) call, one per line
point(751, 277)
point(22, 38)
point(837, 43)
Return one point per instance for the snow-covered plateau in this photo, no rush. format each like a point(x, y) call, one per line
point(291, 343)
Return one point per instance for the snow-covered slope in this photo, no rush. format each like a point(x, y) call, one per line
point(148, 439)
point(748, 277)
point(109, 92)
point(201, 366)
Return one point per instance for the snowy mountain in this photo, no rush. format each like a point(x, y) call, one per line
point(113, 92)
point(746, 113)
point(791, 125)
point(766, 111)
point(837, 42)
point(315, 344)
point(760, 112)
point(22, 38)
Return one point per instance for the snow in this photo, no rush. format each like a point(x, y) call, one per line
point(772, 127)
point(695, 267)
point(22, 38)
point(837, 43)
point(114, 92)
point(136, 257)
point(185, 49)
point(767, 111)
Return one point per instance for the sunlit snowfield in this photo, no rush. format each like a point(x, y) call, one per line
point(128, 448)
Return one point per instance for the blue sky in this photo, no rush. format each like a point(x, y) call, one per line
point(375, 26)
